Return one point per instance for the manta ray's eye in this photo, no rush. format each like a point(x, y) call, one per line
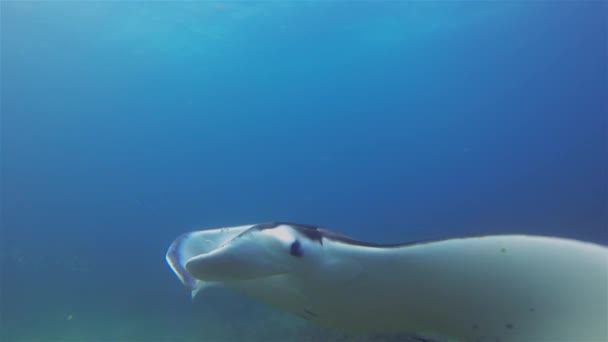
point(296, 249)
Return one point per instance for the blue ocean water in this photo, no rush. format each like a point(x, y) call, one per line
point(127, 123)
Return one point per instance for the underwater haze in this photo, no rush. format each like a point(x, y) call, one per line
point(127, 123)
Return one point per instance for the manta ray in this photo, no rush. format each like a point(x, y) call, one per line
point(486, 288)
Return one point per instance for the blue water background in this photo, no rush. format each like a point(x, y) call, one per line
point(127, 123)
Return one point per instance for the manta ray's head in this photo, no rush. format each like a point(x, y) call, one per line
point(261, 251)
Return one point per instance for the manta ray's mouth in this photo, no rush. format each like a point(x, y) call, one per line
point(233, 261)
point(212, 266)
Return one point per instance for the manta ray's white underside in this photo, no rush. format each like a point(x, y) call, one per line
point(492, 288)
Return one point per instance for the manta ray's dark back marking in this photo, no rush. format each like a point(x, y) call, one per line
point(311, 232)
point(316, 233)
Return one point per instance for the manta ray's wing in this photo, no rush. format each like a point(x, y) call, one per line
point(494, 288)
point(191, 244)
